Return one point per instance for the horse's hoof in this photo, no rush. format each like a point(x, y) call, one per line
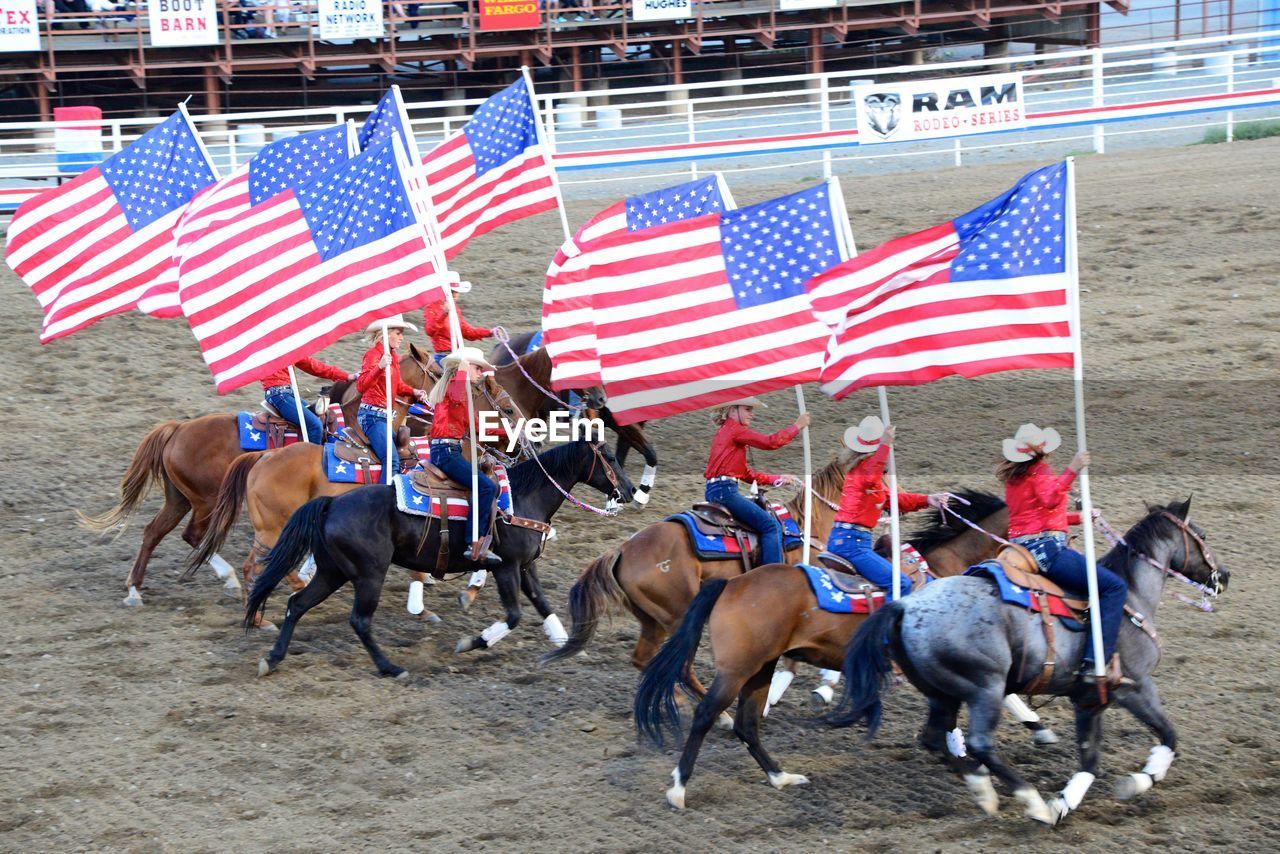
point(983, 792)
point(1036, 808)
point(821, 697)
point(466, 597)
point(1044, 736)
point(782, 779)
point(675, 795)
point(133, 600)
point(265, 667)
point(464, 645)
point(429, 617)
point(725, 721)
point(397, 673)
point(268, 626)
point(1132, 785)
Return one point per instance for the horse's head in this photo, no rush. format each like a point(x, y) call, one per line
point(490, 396)
point(607, 475)
point(1189, 551)
point(594, 398)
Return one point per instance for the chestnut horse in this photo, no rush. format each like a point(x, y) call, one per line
point(189, 459)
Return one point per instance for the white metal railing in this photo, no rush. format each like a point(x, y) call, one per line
point(808, 119)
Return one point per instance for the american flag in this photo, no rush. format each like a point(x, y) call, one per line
point(388, 119)
point(94, 246)
point(281, 165)
point(309, 265)
point(985, 292)
point(698, 312)
point(568, 331)
point(491, 172)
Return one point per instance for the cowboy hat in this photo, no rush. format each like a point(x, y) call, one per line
point(395, 321)
point(470, 355)
point(457, 284)
point(745, 401)
point(1029, 441)
point(865, 436)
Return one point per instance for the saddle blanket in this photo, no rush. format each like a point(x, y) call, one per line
point(535, 343)
point(835, 600)
point(410, 500)
point(341, 471)
point(257, 440)
point(1015, 595)
point(704, 544)
point(339, 420)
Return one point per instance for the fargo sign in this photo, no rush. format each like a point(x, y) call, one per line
point(509, 14)
point(951, 106)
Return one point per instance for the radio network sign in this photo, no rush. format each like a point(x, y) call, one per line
point(928, 109)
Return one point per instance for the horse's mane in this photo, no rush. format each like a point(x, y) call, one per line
point(1141, 538)
point(524, 476)
point(944, 527)
point(829, 480)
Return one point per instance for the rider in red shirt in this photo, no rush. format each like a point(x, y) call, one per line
point(863, 499)
point(448, 430)
point(279, 394)
point(1038, 520)
point(435, 319)
point(372, 387)
point(728, 465)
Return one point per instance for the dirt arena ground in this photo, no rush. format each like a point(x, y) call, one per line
point(146, 729)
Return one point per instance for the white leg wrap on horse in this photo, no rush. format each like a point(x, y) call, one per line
point(955, 743)
point(1158, 762)
point(1133, 785)
point(478, 578)
point(308, 570)
point(1021, 712)
point(221, 567)
point(134, 598)
point(641, 495)
point(415, 605)
point(675, 795)
point(984, 792)
point(831, 677)
point(825, 693)
point(495, 633)
point(781, 682)
point(1037, 809)
point(554, 630)
point(1073, 793)
point(782, 779)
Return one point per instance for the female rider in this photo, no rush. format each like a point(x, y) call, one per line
point(435, 319)
point(278, 392)
point(372, 387)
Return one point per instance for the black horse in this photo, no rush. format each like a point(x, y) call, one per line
point(357, 536)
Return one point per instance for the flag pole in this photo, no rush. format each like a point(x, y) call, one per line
point(390, 460)
point(547, 151)
point(808, 479)
point(297, 402)
point(1077, 362)
point(895, 532)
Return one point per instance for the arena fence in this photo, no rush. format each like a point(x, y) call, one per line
point(1076, 101)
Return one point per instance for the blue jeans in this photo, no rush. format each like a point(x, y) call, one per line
point(752, 515)
point(374, 426)
point(283, 403)
point(855, 546)
point(449, 459)
point(1067, 568)
point(439, 357)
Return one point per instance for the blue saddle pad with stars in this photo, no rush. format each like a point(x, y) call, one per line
point(410, 500)
point(341, 471)
point(833, 599)
point(1015, 595)
point(250, 439)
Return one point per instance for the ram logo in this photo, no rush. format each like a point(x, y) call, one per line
point(884, 112)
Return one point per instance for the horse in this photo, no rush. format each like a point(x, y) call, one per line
point(189, 459)
point(531, 393)
point(747, 648)
point(356, 537)
point(958, 643)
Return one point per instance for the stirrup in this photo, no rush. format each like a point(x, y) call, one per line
point(481, 553)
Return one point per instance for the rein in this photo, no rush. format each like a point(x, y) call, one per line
point(944, 510)
point(1206, 592)
point(503, 339)
point(610, 508)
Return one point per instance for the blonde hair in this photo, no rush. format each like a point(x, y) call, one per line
point(1007, 470)
point(721, 415)
point(442, 385)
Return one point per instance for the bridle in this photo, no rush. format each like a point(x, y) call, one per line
point(1207, 590)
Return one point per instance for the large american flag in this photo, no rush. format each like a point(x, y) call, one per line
point(699, 312)
point(279, 166)
point(388, 118)
point(568, 331)
point(309, 265)
point(985, 292)
point(491, 172)
point(96, 245)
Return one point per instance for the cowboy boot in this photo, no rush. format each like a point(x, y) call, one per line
point(480, 552)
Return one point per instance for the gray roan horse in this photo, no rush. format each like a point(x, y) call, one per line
point(959, 643)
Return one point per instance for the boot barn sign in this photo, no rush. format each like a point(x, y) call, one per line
point(183, 22)
point(928, 109)
point(351, 19)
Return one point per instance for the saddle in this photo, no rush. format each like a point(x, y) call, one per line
point(352, 446)
point(715, 520)
point(273, 424)
point(846, 578)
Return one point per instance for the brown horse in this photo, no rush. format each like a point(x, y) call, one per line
point(189, 459)
point(747, 648)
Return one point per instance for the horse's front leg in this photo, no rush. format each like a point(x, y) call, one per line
point(531, 586)
point(509, 590)
point(1144, 702)
point(1089, 743)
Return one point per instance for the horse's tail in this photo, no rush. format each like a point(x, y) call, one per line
point(867, 669)
point(655, 704)
point(231, 494)
point(596, 591)
point(146, 468)
point(300, 537)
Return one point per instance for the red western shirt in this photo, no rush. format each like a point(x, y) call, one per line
point(1038, 501)
point(729, 451)
point(315, 367)
point(372, 383)
point(449, 418)
point(435, 320)
point(864, 496)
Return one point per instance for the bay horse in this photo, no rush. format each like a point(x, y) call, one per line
point(357, 536)
point(958, 643)
point(189, 459)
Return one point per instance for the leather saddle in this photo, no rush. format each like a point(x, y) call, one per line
point(715, 520)
point(431, 480)
point(1021, 568)
point(274, 425)
point(845, 576)
point(352, 446)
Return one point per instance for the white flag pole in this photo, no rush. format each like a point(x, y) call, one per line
point(297, 402)
point(895, 533)
point(390, 463)
point(1077, 361)
point(808, 479)
point(547, 151)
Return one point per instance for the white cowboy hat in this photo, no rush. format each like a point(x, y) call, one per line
point(745, 401)
point(865, 436)
point(470, 355)
point(457, 284)
point(1028, 441)
point(395, 321)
